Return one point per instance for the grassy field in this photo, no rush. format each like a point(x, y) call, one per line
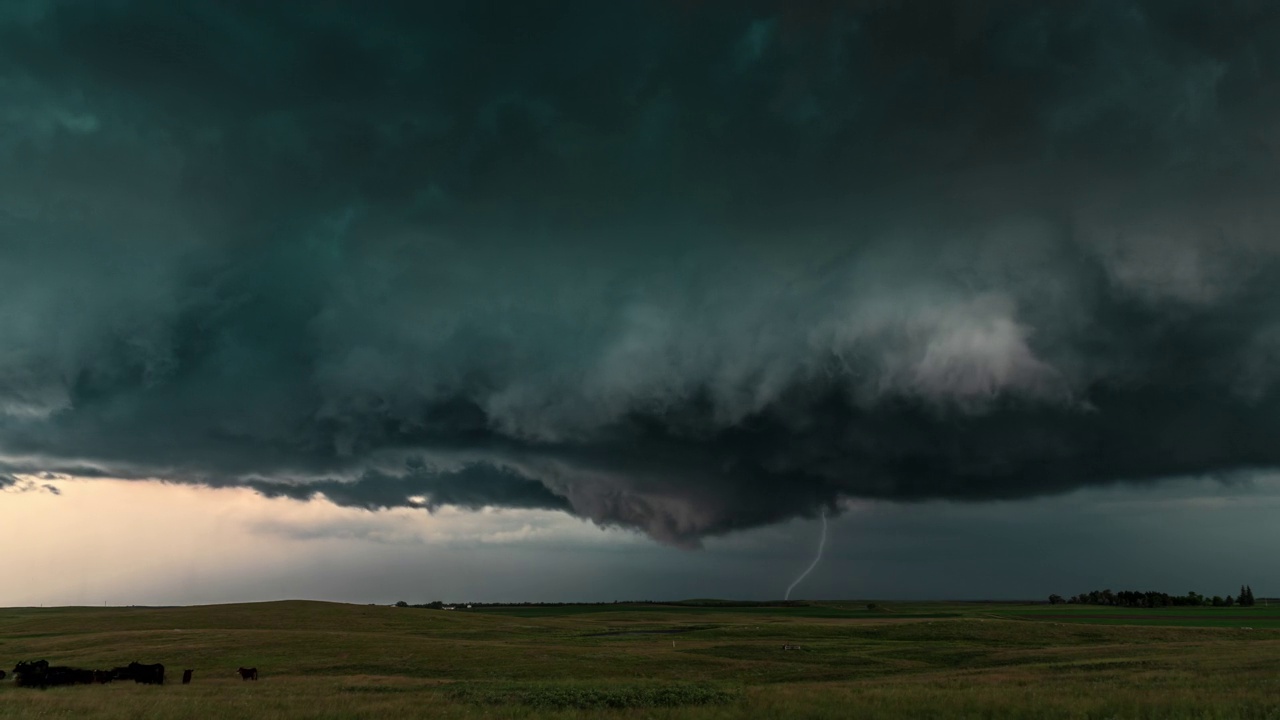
point(952, 660)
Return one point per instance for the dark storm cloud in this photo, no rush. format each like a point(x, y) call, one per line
point(472, 487)
point(687, 267)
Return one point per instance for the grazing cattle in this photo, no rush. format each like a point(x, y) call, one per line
point(149, 674)
point(186, 677)
point(31, 674)
point(39, 674)
point(2, 675)
point(63, 675)
point(248, 673)
point(38, 666)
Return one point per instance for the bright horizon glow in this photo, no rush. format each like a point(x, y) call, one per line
point(118, 542)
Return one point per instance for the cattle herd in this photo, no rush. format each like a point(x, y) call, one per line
point(40, 674)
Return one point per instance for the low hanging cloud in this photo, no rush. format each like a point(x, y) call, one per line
point(683, 267)
point(19, 484)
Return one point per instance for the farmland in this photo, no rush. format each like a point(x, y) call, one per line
point(965, 660)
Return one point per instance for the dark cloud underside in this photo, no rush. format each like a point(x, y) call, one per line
point(687, 267)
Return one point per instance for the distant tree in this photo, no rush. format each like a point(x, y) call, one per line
point(401, 603)
point(1056, 599)
point(1217, 601)
point(1228, 601)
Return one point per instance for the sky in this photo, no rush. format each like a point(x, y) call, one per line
point(580, 300)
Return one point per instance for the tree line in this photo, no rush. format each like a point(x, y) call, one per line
point(1152, 599)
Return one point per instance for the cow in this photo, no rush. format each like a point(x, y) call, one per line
point(102, 677)
point(186, 677)
point(63, 675)
point(42, 675)
point(248, 673)
point(38, 666)
point(2, 675)
point(29, 680)
point(149, 674)
point(31, 674)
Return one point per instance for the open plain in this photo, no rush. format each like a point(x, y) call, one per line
point(975, 660)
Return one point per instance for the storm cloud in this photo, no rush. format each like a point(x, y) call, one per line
point(683, 267)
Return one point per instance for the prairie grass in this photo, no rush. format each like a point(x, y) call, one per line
point(324, 660)
point(587, 695)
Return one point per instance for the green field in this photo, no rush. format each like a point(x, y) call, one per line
point(944, 660)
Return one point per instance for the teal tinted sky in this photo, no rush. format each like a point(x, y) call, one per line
point(663, 276)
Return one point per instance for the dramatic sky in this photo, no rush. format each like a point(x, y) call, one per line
point(556, 300)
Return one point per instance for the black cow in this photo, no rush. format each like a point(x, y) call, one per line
point(248, 673)
point(28, 666)
point(186, 677)
point(31, 674)
point(40, 674)
point(2, 676)
point(36, 680)
point(102, 677)
point(63, 675)
point(149, 674)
